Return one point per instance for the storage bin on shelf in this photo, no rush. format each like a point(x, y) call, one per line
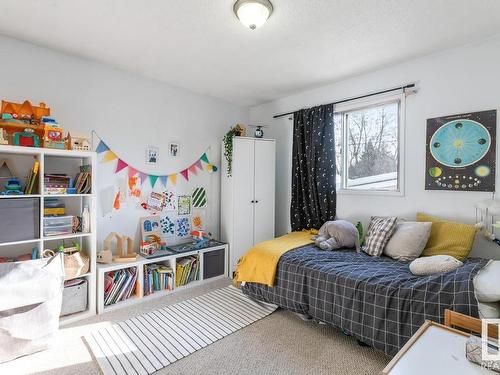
point(57, 225)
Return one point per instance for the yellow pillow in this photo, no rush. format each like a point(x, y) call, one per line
point(448, 237)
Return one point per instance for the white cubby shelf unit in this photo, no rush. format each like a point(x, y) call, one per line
point(168, 260)
point(31, 237)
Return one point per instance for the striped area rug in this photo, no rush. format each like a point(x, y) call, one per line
point(150, 342)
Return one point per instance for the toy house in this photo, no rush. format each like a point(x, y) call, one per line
point(53, 137)
point(25, 111)
point(123, 253)
point(4, 137)
point(78, 143)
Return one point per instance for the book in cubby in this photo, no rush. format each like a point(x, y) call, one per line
point(157, 277)
point(187, 270)
point(119, 285)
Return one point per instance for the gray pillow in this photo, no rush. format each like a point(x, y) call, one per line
point(434, 264)
point(409, 240)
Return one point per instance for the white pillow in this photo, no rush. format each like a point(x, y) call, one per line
point(409, 240)
point(487, 282)
point(434, 264)
point(489, 310)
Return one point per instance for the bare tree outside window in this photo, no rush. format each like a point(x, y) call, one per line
point(370, 136)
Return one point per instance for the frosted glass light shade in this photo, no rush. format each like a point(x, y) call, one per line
point(253, 13)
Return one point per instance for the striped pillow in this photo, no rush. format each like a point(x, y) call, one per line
point(379, 233)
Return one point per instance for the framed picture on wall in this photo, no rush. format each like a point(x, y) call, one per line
point(174, 149)
point(461, 152)
point(152, 153)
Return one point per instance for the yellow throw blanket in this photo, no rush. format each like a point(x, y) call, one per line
point(259, 264)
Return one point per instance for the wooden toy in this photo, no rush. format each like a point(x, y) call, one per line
point(123, 254)
point(27, 138)
point(78, 143)
point(53, 137)
point(4, 137)
point(105, 256)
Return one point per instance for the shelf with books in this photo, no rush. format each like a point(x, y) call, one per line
point(120, 285)
point(187, 270)
point(168, 261)
point(25, 233)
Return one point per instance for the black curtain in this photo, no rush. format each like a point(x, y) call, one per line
point(314, 197)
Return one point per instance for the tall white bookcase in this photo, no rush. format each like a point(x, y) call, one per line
point(53, 161)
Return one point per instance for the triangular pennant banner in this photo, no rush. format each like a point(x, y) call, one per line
point(192, 169)
point(131, 171)
point(214, 168)
point(120, 165)
point(173, 178)
point(185, 174)
point(204, 157)
point(143, 177)
point(199, 165)
point(163, 180)
point(101, 147)
point(109, 156)
point(153, 179)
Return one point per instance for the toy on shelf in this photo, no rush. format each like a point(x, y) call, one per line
point(53, 136)
point(122, 254)
point(201, 238)
point(25, 112)
point(4, 137)
point(78, 143)
point(13, 187)
point(26, 138)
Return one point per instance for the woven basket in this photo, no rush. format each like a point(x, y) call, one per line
point(76, 263)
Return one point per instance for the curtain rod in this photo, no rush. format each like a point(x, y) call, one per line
point(407, 86)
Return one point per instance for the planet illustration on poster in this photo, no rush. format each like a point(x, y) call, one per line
point(461, 152)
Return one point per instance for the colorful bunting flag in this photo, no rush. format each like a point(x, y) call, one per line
point(120, 165)
point(143, 176)
point(152, 179)
point(163, 180)
point(132, 171)
point(192, 169)
point(109, 156)
point(101, 147)
point(172, 178)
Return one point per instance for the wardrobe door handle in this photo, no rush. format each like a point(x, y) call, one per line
point(252, 201)
point(256, 201)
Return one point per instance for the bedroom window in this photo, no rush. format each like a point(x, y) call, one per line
point(368, 147)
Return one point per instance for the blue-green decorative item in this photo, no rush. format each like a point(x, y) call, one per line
point(461, 152)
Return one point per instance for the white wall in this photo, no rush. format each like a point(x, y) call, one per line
point(455, 81)
point(128, 112)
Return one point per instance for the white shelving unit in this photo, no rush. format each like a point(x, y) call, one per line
point(171, 260)
point(56, 161)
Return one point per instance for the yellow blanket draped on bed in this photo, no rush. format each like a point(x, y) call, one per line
point(259, 264)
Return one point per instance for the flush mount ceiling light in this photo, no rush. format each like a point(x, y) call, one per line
point(253, 13)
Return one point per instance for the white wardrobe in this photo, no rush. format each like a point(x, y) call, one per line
point(247, 196)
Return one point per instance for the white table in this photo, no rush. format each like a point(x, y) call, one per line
point(434, 349)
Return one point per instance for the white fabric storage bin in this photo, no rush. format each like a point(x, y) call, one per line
point(74, 298)
point(30, 305)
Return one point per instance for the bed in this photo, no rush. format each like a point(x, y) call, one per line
point(376, 300)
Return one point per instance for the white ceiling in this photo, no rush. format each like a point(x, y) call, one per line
point(199, 44)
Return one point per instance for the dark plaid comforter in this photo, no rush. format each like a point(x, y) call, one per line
point(376, 300)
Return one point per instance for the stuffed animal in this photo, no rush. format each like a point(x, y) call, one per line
point(337, 234)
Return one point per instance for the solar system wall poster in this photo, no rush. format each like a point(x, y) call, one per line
point(461, 152)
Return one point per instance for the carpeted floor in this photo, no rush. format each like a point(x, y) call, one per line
point(278, 344)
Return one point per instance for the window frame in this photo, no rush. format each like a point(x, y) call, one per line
point(342, 109)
